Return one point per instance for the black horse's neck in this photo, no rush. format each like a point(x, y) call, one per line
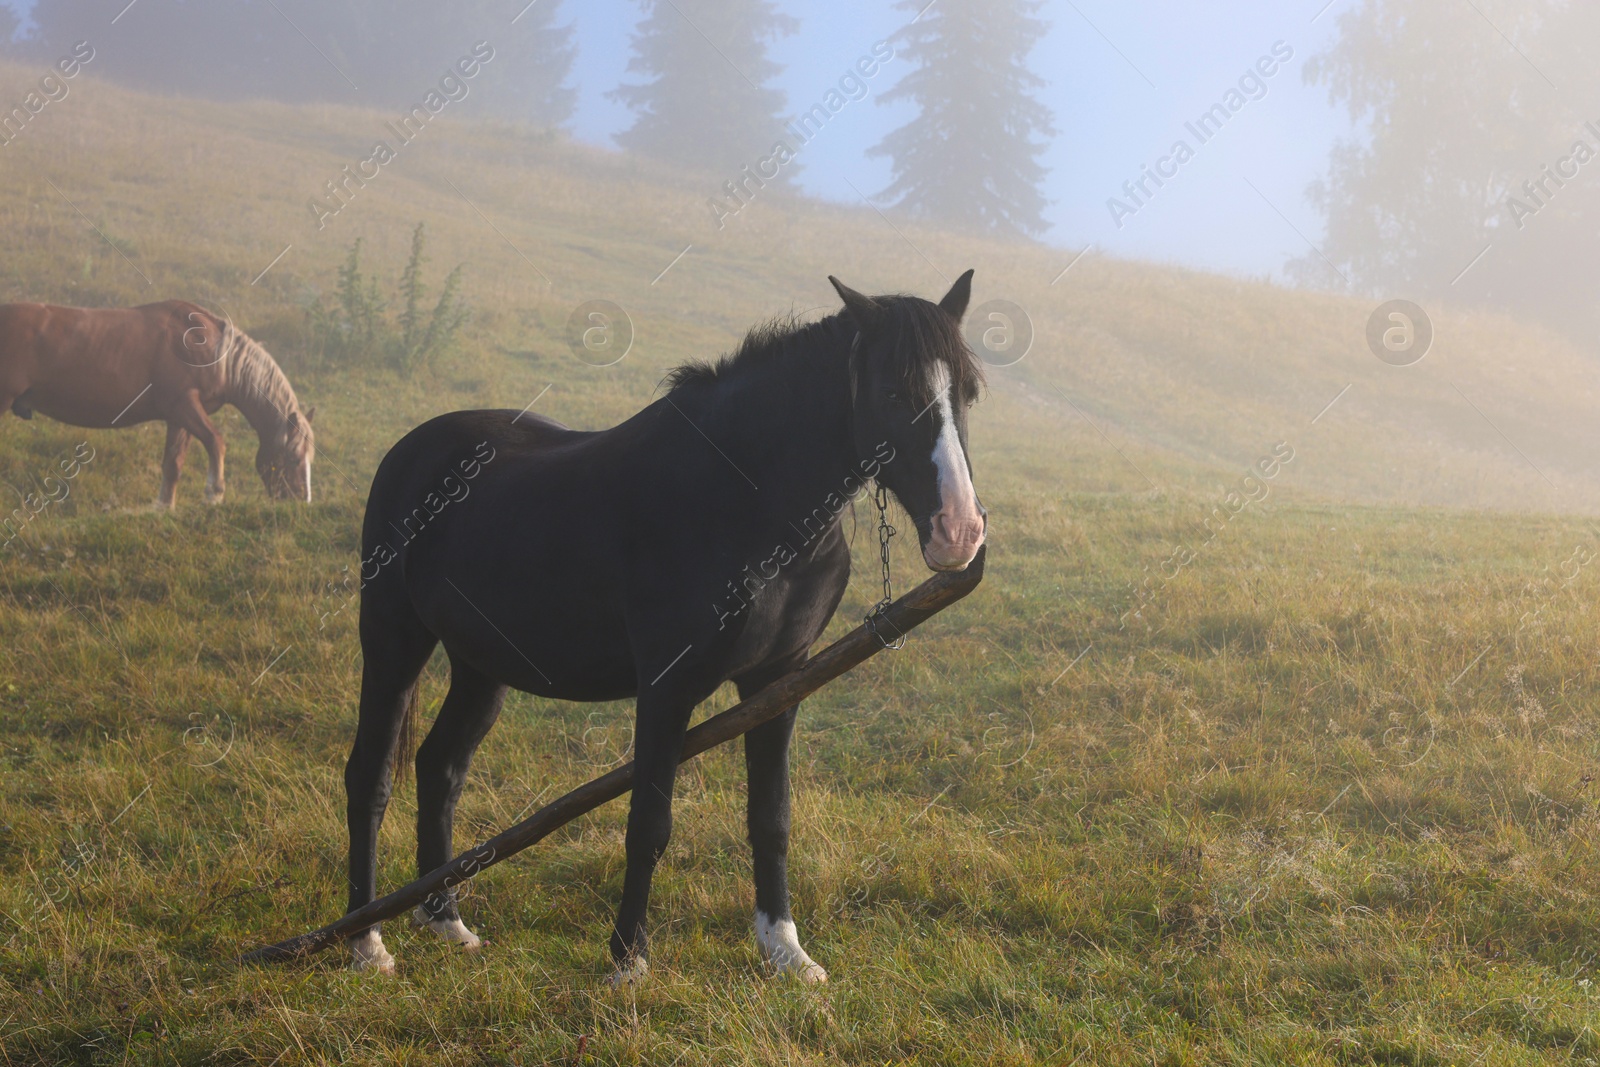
point(781, 411)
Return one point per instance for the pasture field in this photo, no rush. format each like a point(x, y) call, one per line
point(1321, 790)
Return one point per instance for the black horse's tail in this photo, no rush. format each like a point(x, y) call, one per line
point(405, 753)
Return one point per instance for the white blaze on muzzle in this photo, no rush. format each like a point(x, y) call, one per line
point(958, 525)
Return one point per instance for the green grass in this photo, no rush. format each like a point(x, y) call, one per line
point(1328, 799)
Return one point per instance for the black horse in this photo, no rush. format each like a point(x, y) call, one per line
point(697, 542)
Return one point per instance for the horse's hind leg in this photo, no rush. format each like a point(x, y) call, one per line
point(660, 722)
point(172, 464)
point(469, 710)
point(394, 648)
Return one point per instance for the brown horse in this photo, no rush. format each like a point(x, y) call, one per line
point(173, 361)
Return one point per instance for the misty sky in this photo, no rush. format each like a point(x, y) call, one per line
point(1109, 120)
point(1122, 80)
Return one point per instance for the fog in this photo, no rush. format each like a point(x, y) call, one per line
point(1391, 146)
point(1429, 162)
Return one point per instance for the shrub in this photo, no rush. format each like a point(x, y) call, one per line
point(357, 327)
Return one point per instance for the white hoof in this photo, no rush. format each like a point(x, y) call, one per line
point(452, 930)
point(812, 973)
point(368, 954)
point(780, 944)
point(631, 973)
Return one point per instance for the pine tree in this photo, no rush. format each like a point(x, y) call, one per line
point(1458, 184)
point(402, 49)
point(706, 105)
point(9, 45)
point(395, 53)
point(969, 158)
point(157, 46)
point(539, 61)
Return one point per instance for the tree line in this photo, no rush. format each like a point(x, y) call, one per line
point(700, 78)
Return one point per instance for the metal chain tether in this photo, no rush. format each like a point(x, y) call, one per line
point(876, 615)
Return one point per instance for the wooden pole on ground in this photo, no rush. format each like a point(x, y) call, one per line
point(916, 607)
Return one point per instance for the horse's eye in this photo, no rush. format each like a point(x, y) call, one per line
point(892, 395)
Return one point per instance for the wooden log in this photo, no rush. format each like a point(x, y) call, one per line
point(916, 607)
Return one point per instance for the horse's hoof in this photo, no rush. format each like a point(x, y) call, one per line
point(452, 930)
point(631, 973)
point(811, 974)
point(368, 954)
point(806, 971)
point(780, 944)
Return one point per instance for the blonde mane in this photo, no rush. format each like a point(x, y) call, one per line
point(254, 377)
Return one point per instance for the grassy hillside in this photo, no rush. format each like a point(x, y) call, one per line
point(1323, 794)
point(1196, 373)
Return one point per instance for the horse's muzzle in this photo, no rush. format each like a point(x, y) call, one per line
point(955, 540)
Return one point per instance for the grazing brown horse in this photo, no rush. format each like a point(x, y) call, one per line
point(173, 361)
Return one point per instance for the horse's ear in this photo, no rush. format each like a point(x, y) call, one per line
point(862, 308)
point(955, 301)
point(311, 413)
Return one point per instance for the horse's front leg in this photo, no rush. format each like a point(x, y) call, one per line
point(658, 744)
point(215, 450)
point(195, 420)
point(766, 759)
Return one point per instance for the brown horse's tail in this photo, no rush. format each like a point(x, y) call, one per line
point(405, 753)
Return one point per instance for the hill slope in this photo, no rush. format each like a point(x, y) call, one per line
point(1190, 375)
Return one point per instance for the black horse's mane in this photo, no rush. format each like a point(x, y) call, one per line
point(924, 335)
